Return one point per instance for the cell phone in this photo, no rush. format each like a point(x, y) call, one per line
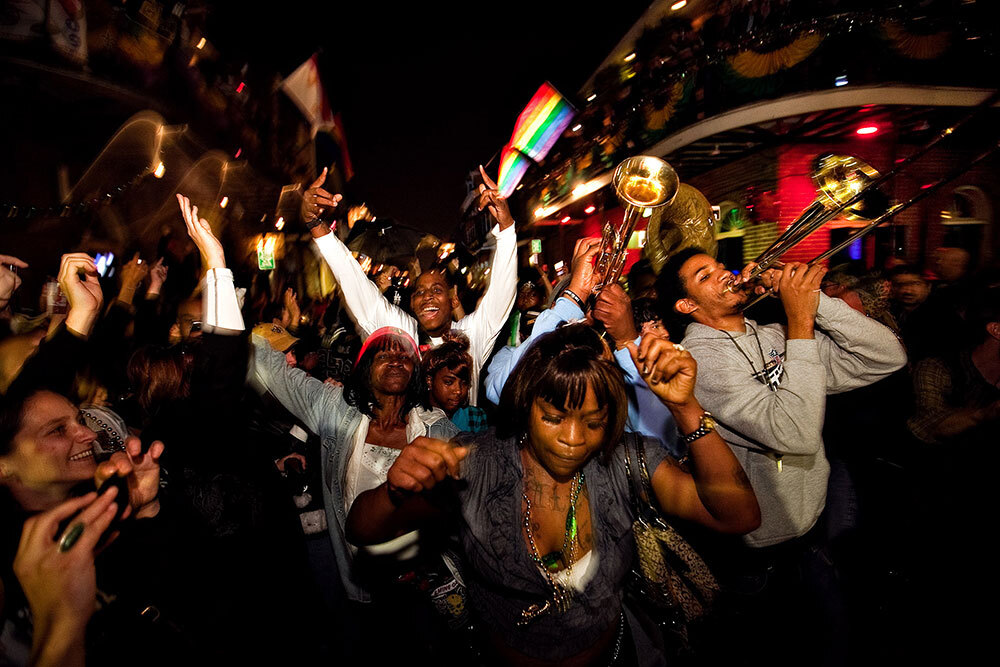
point(104, 447)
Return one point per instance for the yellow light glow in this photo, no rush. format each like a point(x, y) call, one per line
point(280, 224)
point(541, 212)
point(224, 203)
point(592, 97)
point(630, 57)
point(586, 188)
point(159, 171)
point(680, 4)
point(201, 43)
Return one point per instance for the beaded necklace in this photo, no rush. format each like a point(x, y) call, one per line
point(561, 597)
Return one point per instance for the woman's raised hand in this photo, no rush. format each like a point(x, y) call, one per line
point(142, 472)
point(422, 464)
point(212, 256)
point(668, 369)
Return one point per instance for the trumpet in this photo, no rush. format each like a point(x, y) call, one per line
point(679, 216)
point(641, 182)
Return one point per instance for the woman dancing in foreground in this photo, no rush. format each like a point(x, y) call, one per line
point(542, 506)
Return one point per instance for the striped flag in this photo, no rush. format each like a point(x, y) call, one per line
point(538, 127)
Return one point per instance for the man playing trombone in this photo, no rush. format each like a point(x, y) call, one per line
point(766, 385)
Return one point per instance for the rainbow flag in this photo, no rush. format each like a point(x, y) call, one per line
point(538, 127)
point(513, 165)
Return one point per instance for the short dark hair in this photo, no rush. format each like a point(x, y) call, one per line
point(443, 270)
point(670, 289)
point(645, 310)
point(358, 390)
point(452, 354)
point(558, 368)
point(906, 270)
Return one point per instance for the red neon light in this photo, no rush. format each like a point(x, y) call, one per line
point(867, 129)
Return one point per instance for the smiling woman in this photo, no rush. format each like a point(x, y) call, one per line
point(45, 449)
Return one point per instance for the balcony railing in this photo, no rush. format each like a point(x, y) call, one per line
point(678, 76)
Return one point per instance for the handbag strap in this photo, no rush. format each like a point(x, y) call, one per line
point(640, 487)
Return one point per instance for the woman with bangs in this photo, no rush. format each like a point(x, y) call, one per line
point(542, 503)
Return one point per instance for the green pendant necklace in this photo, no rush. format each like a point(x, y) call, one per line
point(565, 555)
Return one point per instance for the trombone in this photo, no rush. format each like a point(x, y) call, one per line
point(850, 186)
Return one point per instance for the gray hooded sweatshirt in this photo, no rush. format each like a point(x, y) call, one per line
point(776, 431)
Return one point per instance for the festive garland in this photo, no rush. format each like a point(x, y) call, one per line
point(917, 47)
point(10, 211)
point(754, 65)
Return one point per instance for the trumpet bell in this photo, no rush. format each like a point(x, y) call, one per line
point(840, 177)
point(645, 181)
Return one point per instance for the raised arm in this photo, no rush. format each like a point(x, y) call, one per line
point(221, 366)
point(55, 364)
point(564, 309)
point(716, 492)
point(312, 402)
point(484, 324)
point(364, 302)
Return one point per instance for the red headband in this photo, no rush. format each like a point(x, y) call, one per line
point(391, 332)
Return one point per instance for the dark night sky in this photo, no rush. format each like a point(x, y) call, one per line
point(428, 90)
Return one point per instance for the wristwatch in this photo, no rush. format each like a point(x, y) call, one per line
point(706, 426)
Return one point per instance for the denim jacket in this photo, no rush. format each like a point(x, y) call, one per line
point(322, 408)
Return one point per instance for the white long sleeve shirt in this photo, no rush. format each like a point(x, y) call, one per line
point(370, 310)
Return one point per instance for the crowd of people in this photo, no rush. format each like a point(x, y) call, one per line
point(227, 475)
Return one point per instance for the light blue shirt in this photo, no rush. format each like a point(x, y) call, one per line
point(646, 414)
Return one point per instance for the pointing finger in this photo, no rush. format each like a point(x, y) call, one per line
point(486, 179)
point(319, 180)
